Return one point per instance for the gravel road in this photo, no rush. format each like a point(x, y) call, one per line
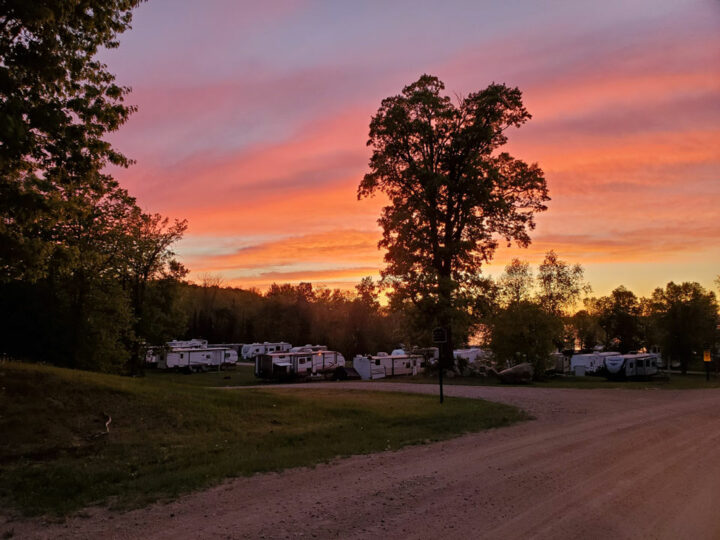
point(593, 464)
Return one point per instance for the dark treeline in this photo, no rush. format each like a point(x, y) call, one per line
point(536, 314)
point(85, 275)
point(350, 322)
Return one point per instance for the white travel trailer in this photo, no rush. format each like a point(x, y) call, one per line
point(234, 346)
point(309, 348)
point(252, 350)
point(589, 364)
point(625, 366)
point(196, 358)
point(187, 344)
point(290, 365)
point(473, 355)
point(378, 367)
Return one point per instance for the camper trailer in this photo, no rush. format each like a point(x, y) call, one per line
point(309, 348)
point(195, 358)
point(188, 344)
point(251, 350)
point(381, 366)
point(589, 364)
point(299, 364)
point(628, 366)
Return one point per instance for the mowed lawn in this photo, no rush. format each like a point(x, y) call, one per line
point(169, 436)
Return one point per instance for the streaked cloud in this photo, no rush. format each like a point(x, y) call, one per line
point(256, 132)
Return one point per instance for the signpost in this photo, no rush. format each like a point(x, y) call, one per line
point(439, 336)
point(707, 359)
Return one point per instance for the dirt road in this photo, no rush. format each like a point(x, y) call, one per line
point(594, 464)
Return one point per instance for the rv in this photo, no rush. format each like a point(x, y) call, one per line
point(300, 364)
point(627, 366)
point(383, 365)
point(589, 364)
point(193, 355)
point(196, 358)
point(189, 343)
point(309, 348)
point(252, 350)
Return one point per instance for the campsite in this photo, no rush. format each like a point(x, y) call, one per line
point(361, 270)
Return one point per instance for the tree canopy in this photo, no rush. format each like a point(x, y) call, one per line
point(453, 196)
point(78, 256)
point(57, 101)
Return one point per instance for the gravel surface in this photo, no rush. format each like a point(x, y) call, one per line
point(593, 464)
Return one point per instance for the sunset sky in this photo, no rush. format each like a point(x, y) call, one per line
point(253, 119)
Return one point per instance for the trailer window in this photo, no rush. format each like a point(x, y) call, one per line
point(377, 362)
point(641, 363)
point(182, 355)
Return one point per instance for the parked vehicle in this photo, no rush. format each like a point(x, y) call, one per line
point(196, 358)
point(309, 347)
point(628, 366)
point(589, 364)
point(188, 343)
point(251, 350)
point(380, 366)
point(190, 355)
point(300, 364)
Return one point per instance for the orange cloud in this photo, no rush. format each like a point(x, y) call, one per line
point(330, 247)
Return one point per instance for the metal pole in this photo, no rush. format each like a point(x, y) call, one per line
point(441, 357)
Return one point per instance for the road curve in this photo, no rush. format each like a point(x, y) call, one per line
point(593, 464)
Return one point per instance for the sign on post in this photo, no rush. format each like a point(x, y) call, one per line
point(439, 335)
point(706, 356)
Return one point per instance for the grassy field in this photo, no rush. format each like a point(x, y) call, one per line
point(234, 376)
point(674, 382)
point(170, 435)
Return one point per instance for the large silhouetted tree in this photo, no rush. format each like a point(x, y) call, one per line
point(57, 103)
point(453, 196)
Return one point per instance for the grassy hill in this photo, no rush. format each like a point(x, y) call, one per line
point(170, 435)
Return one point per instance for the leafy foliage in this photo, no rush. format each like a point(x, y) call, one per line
point(686, 316)
point(560, 284)
point(74, 245)
point(452, 195)
point(525, 332)
point(56, 104)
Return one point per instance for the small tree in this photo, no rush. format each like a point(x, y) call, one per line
point(686, 317)
point(452, 194)
point(524, 332)
point(620, 316)
point(587, 329)
point(560, 284)
point(516, 284)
